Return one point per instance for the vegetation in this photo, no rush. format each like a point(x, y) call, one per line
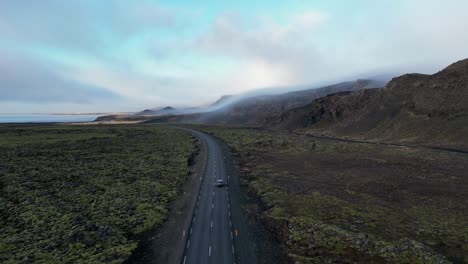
point(85, 194)
point(335, 202)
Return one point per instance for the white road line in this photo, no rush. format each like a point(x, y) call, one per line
point(233, 249)
point(183, 233)
point(211, 224)
point(191, 231)
point(188, 243)
point(193, 221)
point(212, 205)
point(209, 251)
point(185, 259)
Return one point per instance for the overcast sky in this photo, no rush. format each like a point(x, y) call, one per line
point(88, 55)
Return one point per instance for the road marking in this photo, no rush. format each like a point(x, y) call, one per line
point(190, 231)
point(209, 251)
point(183, 233)
point(233, 249)
point(188, 243)
point(235, 231)
point(212, 205)
point(231, 236)
point(213, 193)
point(185, 258)
point(211, 224)
point(194, 219)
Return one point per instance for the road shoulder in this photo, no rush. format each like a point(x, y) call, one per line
point(165, 244)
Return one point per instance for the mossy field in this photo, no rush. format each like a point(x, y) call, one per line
point(340, 202)
point(85, 194)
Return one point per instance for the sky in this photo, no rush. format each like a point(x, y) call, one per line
point(117, 55)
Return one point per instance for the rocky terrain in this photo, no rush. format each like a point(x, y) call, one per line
point(413, 108)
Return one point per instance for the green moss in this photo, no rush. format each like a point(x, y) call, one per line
point(84, 194)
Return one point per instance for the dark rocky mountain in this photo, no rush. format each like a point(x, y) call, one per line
point(254, 110)
point(413, 108)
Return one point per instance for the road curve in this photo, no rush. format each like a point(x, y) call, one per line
point(213, 231)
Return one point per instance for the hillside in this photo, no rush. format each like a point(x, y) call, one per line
point(413, 108)
point(254, 110)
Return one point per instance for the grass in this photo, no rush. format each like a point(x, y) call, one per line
point(332, 201)
point(85, 194)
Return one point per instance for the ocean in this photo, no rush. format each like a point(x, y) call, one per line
point(41, 118)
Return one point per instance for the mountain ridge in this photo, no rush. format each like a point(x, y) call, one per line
point(415, 108)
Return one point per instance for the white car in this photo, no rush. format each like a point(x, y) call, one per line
point(220, 183)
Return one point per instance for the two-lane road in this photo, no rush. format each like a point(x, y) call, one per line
point(211, 235)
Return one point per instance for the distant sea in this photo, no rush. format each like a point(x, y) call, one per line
point(40, 118)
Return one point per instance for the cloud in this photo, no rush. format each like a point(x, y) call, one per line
point(317, 46)
point(268, 41)
point(142, 54)
point(86, 25)
point(270, 53)
point(26, 80)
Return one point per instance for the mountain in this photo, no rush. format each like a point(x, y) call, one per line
point(163, 111)
point(222, 100)
point(413, 108)
point(255, 109)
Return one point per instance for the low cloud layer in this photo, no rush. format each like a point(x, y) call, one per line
point(130, 55)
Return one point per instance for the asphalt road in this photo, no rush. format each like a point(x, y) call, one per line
point(214, 235)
